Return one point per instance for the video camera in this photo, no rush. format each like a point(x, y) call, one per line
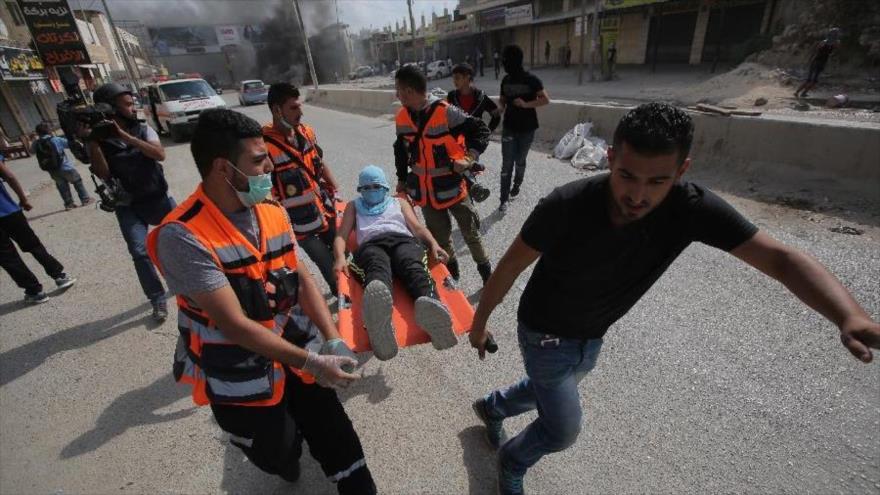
point(478, 192)
point(98, 118)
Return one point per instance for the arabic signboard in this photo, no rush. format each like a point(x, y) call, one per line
point(521, 14)
point(17, 64)
point(54, 31)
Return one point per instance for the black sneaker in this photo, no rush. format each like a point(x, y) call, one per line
point(452, 266)
point(485, 270)
point(64, 281)
point(160, 311)
point(38, 298)
point(495, 435)
point(502, 208)
point(515, 191)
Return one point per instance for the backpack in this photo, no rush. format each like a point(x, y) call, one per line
point(47, 155)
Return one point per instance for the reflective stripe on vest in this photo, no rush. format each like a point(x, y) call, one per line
point(294, 201)
point(307, 227)
point(434, 172)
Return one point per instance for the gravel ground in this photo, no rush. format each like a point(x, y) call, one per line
point(718, 381)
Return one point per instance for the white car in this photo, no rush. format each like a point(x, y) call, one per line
point(174, 106)
point(438, 69)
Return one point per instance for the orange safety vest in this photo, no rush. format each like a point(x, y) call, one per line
point(431, 151)
point(295, 180)
point(220, 371)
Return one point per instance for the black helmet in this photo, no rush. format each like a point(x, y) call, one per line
point(107, 93)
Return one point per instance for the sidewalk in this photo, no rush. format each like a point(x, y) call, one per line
point(682, 84)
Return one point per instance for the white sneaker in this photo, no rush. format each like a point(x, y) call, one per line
point(377, 318)
point(435, 320)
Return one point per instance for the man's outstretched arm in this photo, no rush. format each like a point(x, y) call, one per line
point(813, 284)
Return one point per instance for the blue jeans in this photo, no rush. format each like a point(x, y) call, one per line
point(553, 370)
point(514, 150)
point(63, 179)
point(134, 221)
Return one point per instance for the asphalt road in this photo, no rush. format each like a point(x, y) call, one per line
point(718, 381)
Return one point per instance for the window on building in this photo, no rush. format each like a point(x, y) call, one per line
point(549, 7)
point(17, 18)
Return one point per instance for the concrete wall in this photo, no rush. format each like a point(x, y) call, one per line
point(779, 148)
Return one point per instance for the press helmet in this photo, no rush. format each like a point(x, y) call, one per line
point(107, 93)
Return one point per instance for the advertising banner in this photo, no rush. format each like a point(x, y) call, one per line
point(54, 30)
point(17, 64)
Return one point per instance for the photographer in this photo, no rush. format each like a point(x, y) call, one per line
point(127, 152)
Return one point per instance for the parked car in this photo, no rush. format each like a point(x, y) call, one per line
point(438, 69)
point(252, 92)
point(215, 83)
point(362, 71)
point(174, 106)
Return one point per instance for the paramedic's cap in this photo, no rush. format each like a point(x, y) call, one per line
point(372, 174)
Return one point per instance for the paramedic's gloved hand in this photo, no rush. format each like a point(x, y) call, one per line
point(439, 254)
point(328, 371)
point(338, 347)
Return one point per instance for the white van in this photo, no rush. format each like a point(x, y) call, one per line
point(174, 106)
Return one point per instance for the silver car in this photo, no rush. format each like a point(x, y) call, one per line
point(252, 92)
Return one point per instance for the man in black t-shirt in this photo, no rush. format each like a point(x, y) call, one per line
point(521, 93)
point(601, 243)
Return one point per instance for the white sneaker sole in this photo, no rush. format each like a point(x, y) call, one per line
point(377, 319)
point(435, 320)
point(66, 285)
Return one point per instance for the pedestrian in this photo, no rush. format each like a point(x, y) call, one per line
point(600, 244)
point(247, 309)
point(547, 52)
point(467, 60)
point(449, 61)
point(521, 93)
point(301, 181)
point(818, 58)
point(429, 162)
point(470, 98)
point(611, 59)
point(127, 152)
point(391, 244)
point(52, 158)
point(480, 61)
point(567, 55)
point(496, 57)
point(14, 227)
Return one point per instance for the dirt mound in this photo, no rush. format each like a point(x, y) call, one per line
point(741, 86)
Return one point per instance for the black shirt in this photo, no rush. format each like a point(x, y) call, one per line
point(591, 273)
point(523, 85)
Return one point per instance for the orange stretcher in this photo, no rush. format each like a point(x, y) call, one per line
point(351, 325)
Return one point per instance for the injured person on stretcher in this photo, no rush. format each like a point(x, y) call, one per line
point(390, 243)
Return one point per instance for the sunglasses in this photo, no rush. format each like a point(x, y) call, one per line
point(371, 187)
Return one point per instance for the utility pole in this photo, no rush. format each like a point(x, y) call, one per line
point(412, 27)
point(126, 62)
point(595, 39)
point(302, 28)
point(583, 40)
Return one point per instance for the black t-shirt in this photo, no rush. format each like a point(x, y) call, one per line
point(591, 273)
point(523, 85)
